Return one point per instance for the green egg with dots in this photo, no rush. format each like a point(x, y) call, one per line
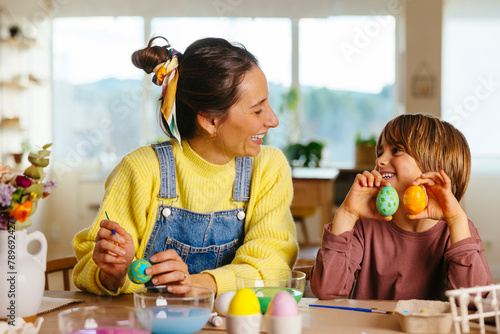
point(387, 201)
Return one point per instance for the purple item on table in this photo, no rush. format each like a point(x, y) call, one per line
point(110, 330)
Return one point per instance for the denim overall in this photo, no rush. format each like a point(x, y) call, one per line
point(203, 240)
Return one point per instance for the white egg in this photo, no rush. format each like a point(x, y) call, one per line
point(222, 302)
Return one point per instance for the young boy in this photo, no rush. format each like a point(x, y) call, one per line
point(405, 256)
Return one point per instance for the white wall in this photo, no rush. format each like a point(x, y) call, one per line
point(471, 74)
point(36, 12)
point(423, 55)
point(480, 202)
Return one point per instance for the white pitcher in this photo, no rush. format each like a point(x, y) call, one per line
point(22, 275)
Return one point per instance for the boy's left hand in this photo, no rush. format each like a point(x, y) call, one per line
point(441, 203)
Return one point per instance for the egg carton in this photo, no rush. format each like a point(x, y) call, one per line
point(487, 308)
point(21, 326)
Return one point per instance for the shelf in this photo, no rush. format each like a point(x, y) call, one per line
point(19, 42)
point(14, 84)
point(11, 124)
point(12, 128)
point(19, 64)
point(314, 173)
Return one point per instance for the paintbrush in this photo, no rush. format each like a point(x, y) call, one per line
point(114, 232)
point(359, 309)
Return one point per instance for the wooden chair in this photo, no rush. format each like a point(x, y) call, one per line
point(64, 264)
point(299, 215)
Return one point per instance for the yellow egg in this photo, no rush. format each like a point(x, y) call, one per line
point(414, 200)
point(244, 302)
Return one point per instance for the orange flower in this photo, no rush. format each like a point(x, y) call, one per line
point(21, 212)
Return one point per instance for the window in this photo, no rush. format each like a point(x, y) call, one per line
point(269, 39)
point(97, 90)
point(347, 73)
point(471, 81)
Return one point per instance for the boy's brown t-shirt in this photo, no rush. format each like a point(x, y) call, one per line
point(396, 264)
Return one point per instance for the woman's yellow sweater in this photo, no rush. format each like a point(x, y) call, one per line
point(131, 199)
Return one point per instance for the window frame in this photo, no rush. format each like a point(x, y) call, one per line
point(149, 94)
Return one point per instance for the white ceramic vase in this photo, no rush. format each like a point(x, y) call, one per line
point(22, 275)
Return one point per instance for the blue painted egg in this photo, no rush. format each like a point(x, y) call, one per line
point(136, 271)
point(387, 201)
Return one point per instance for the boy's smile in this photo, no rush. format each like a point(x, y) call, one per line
point(396, 166)
point(387, 175)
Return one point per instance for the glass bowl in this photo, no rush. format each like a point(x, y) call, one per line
point(268, 282)
point(109, 319)
point(174, 312)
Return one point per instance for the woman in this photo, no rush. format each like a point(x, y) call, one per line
point(206, 204)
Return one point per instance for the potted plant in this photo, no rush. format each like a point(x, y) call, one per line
point(308, 155)
point(19, 196)
point(298, 154)
point(25, 148)
point(365, 151)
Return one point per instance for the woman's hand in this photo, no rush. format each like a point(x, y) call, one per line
point(360, 202)
point(113, 257)
point(169, 269)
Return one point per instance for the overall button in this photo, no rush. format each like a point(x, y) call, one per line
point(241, 215)
point(166, 212)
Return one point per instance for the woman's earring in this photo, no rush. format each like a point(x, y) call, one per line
point(213, 135)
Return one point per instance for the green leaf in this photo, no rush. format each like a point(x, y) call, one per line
point(34, 172)
point(36, 188)
point(21, 226)
point(370, 141)
point(42, 163)
point(33, 208)
point(17, 195)
point(32, 157)
point(43, 154)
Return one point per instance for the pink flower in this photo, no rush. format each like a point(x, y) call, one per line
point(4, 169)
point(23, 181)
point(5, 173)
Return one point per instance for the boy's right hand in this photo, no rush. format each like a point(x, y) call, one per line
point(113, 257)
point(360, 202)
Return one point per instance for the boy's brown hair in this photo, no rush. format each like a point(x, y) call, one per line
point(434, 144)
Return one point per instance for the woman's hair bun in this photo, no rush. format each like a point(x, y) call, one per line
point(148, 58)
